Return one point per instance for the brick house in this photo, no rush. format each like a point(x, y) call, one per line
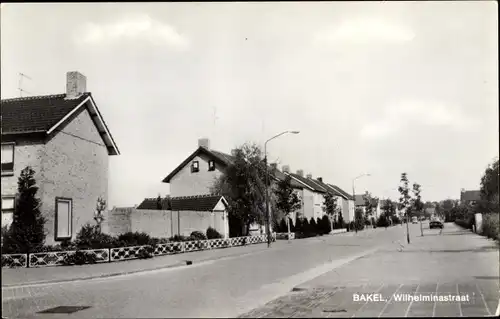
point(198, 172)
point(312, 194)
point(66, 141)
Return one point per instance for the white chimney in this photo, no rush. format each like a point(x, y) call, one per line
point(76, 84)
point(300, 173)
point(285, 168)
point(309, 176)
point(234, 152)
point(204, 142)
point(320, 179)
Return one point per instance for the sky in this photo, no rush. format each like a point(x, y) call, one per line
point(373, 87)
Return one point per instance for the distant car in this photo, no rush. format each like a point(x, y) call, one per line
point(414, 220)
point(436, 224)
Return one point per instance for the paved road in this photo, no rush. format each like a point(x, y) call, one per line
point(226, 287)
point(457, 262)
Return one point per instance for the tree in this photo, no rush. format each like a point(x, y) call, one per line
point(405, 201)
point(341, 220)
point(418, 205)
point(313, 226)
point(27, 232)
point(330, 207)
point(388, 208)
point(243, 186)
point(299, 227)
point(98, 215)
point(358, 219)
point(371, 204)
point(287, 200)
point(489, 189)
point(325, 225)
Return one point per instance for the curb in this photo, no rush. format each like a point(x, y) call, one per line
point(117, 274)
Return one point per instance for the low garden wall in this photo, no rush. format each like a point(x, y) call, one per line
point(64, 258)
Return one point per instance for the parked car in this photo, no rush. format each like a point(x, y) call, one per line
point(436, 224)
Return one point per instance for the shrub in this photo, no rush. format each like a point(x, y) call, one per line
point(341, 221)
point(292, 226)
point(197, 235)
point(299, 225)
point(282, 227)
point(177, 238)
point(383, 221)
point(213, 234)
point(134, 239)
point(89, 237)
point(146, 252)
point(79, 258)
point(395, 220)
point(26, 233)
point(491, 226)
point(326, 225)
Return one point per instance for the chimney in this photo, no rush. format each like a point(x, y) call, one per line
point(309, 176)
point(274, 166)
point(320, 179)
point(234, 152)
point(76, 84)
point(300, 173)
point(204, 142)
point(285, 168)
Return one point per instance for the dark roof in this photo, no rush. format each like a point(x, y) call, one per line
point(470, 195)
point(36, 114)
point(201, 203)
point(40, 114)
point(359, 201)
point(340, 190)
point(223, 159)
point(310, 183)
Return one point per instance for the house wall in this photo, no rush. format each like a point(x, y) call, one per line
point(75, 166)
point(156, 223)
point(319, 206)
point(186, 183)
point(308, 204)
point(195, 220)
point(26, 153)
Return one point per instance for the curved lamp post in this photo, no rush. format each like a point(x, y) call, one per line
point(268, 215)
point(354, 197)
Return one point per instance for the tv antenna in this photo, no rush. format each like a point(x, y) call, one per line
point(20, 88)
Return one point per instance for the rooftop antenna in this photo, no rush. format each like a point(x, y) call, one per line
point(20, 88)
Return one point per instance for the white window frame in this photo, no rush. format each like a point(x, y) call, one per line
point(70, 219)
point(195, 168)
point(9, 171)
point(9, 210)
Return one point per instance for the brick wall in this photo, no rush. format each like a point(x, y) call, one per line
point(163, 223)
point(75, 166)
point(186, 183)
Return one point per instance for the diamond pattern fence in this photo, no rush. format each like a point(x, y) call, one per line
point(126, 253)
point(169, 248)
point(57, 258)
point(14, 260)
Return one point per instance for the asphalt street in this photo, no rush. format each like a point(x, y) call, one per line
point(228, 287)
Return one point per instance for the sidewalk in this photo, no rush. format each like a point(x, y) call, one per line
point(455, 262)
point(31, 276)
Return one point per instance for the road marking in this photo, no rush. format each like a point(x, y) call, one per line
point(484, 301)
point(387, 303)
point(354, 314)
point(411, 302)
point(459, 302)
point(435, 302)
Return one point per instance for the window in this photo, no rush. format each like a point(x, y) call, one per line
point(64, 218)
point(195, 167)
point(8, 158)
point(211, 165)
point(7, 210)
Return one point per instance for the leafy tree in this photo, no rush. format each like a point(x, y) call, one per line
point(287, 200)
point(489, 190)
point(418, 205)
point(330, 207)
point(405, 201)
point(358, 219)
point(388, 208)
point(26, 233)
point(282, 227)
point(325, 225)
point(243, 186)
point(341, 220)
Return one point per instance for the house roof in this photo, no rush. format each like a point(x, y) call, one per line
point(341, 191)
point(359, 200)
point(201, 203)
point(470, 195)
point(223, 159)
point(328, 188)
point(45, 114)
point(309, 183)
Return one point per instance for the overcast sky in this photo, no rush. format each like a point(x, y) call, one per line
point(379, 88)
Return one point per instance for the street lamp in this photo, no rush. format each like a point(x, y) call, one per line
point(268, 215)
point(354, 197)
